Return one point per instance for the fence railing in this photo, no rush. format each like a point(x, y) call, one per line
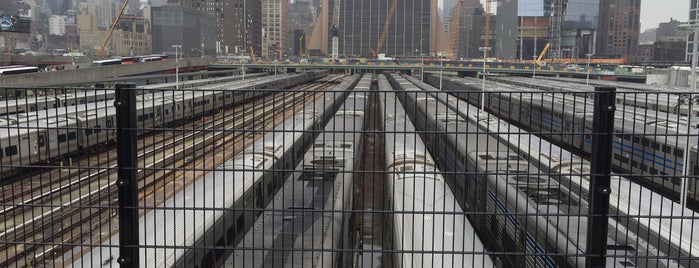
point(365, 171)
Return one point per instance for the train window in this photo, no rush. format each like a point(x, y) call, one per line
point(62, 138)
point(634, 163)
point(617, 156)
point(97, 129)
point(624, 159)
point(72, 135)
point(88, 132)
point(41, 141)
point(679, 152)
point(656, 146)
point(150, 115)
point(636, 140)
point(11, 150)
point(646, 142)
point(653, 171)
point(239, 224)
point(230, 235)
point(208, 260)
point(1, 154)
point(644, 167)
point(667, 149)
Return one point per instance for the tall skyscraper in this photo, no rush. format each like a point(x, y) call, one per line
point(619, 28)
point(466, 29)
point(521, 28)
point(525, 27)
point(579, 29)
point(275, 24)
point(238, 23)
point(412, 28)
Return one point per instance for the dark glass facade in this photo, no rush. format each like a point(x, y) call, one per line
point(177, 25)
point(361, 23)
point(581, 14)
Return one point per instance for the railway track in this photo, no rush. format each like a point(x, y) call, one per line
point(79, 200)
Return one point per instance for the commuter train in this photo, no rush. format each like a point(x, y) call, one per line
point(200, 225)
point(661, 224)
point(519, 207)
point(18, 70)
point(10, 107)
point(38, 103)
point(429, 227)
point(665, 99)
point(306, 224)
point(648, 144)
point(54, 133)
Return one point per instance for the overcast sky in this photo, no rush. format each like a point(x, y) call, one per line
point(654, 12)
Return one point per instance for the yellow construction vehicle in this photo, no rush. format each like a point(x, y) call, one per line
point(543, 52)
point(252, 54)
point(111, 29)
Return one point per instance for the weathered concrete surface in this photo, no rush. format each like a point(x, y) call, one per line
point(86, 75)
point(8, 59)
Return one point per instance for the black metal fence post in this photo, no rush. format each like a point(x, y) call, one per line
point(601, 160)
point(128, 188)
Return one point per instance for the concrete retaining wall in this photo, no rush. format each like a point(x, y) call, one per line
point(94, 74)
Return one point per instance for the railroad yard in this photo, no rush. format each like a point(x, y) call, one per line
point(313, 168)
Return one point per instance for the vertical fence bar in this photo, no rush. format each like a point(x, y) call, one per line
point(128, 188)
point(600, 161)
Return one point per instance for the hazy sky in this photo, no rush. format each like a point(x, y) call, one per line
point(653, 11)
point(657, 11)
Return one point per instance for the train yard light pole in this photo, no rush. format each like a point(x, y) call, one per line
point(693, 24)
point(587, 68)
point(177, 65)
point(485, 53)
point(440, 71)
point(534, 61)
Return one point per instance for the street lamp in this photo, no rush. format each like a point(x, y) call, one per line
point(485, 53)
point(440, 71)
point(177, 66)
point(535, 65)
point(587, 80)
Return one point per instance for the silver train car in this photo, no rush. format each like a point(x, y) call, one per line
point(46, 102)
point(430, 229)
point(305, 224)
point(651, 97)
point(649, 144)
point(661, 227)
point(200, 225)
point(57, 133)
point(526, 209)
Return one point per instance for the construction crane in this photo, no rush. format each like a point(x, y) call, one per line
point(386, 25)
point(486, 27)
point(111, 29)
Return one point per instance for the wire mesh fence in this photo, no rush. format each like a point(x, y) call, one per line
point(350, 171)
